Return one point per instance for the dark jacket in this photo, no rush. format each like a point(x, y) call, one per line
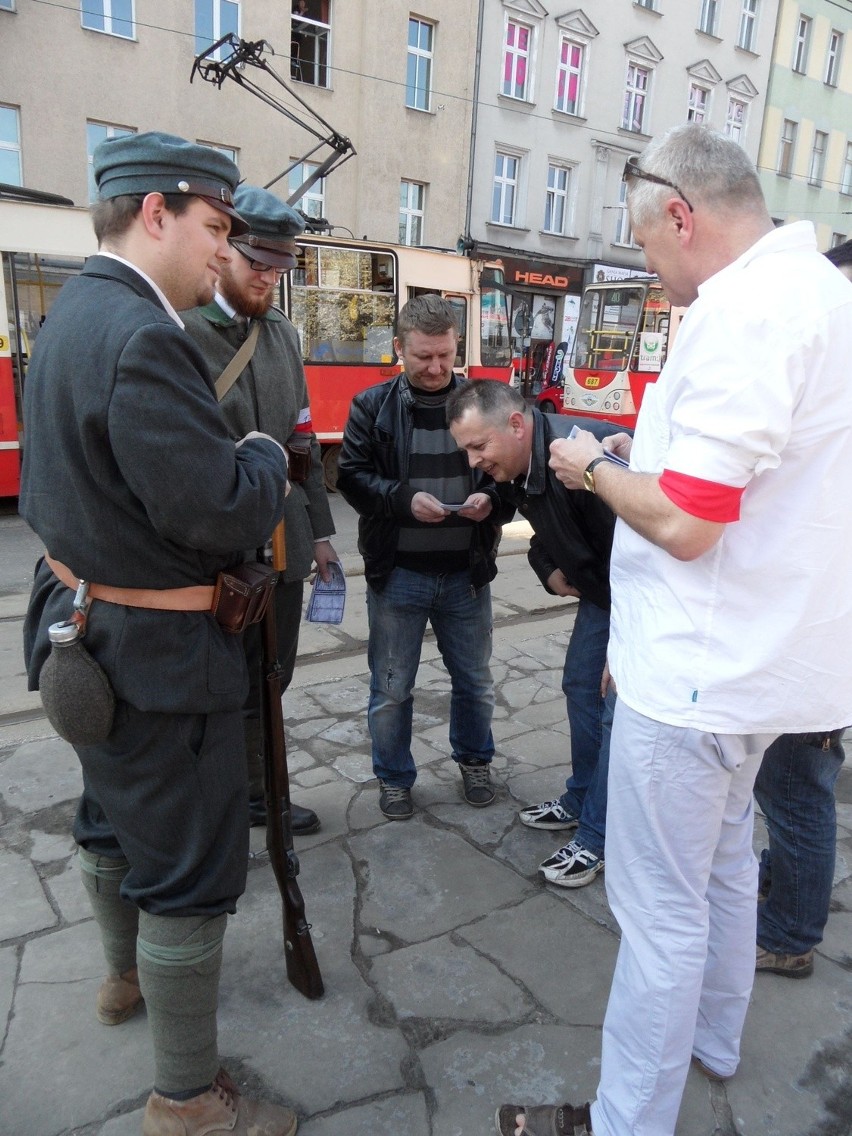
point(131, 478)
point(573, 528)
point(373, 477)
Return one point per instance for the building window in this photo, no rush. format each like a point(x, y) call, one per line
point(310, 36)
point(97, 132)
point(516, 60)
point(787, 148)
point(504, 194)
point(709, 15)
point(817, 164)
point(837, 239)
point(418, 83)
point(115, 17)
point(634, 113)
point(735, 122)
point(228, 151)
point(623, 232)
point(748, 26)
point(699, 103)
point(412, 207)
point(569, 77)
point(800, 48)
point(556, 201)
point(312, 201)
point(846, 177)
point(214, 19)
point(7, 5)
point(10, 146)
point(832, 59)
point(646, 4)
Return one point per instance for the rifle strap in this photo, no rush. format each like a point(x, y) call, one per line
point(239, 362)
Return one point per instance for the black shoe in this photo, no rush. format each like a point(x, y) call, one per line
point(302, 821)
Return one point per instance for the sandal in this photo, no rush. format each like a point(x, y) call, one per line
point(544, 1120)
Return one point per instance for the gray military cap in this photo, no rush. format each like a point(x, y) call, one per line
point(163, 163)
point(272, 227)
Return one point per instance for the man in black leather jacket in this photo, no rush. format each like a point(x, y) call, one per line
point(569, 553)
point(428, 533)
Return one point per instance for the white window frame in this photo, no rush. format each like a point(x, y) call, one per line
point(412, 214)
point(623, 234)
point(787, 147)
point(217, 8)
point(231, 152)
point(506, 185)
point(419, 57)
point(13, 146)
point(312, 202)
point(111, 130)
point(832, 57)
point(846, 175)
point(747, 35)
point(816, 165)
point(514, 56)
point(695, 111)
point(801, 45)
point(7, 5)
point(103, 10)
point(557, 198)
point(634, 94)
point(565, 70)
point(735, 124)
point(708, 17)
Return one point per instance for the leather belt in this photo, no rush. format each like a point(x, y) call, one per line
point(198, 597)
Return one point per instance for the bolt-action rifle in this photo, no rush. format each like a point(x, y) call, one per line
point(302, 967)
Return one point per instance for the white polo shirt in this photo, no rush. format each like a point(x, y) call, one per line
point(756, 634)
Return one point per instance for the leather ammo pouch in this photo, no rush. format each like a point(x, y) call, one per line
point(298, 462)
point(242, 595)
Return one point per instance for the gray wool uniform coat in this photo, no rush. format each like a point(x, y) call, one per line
point(132, 478)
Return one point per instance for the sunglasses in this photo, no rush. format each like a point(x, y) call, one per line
point(633, 169)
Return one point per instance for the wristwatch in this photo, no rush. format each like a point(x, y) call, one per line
point(589, 473)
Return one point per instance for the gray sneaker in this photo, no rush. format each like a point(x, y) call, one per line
point(395, 802)
point(476, 782)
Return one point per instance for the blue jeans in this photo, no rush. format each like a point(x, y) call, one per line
point(590, 721)
point(461, 619)
point(795, 792)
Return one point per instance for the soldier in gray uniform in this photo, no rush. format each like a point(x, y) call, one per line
point(268, 392)
point(135, 484)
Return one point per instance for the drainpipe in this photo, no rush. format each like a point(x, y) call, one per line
point(466, 240)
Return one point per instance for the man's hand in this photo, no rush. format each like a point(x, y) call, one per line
point(569, 457)
point(620, 444)
point(477, 507)
point(324, 555)
point(558, 583)
point(428, 509)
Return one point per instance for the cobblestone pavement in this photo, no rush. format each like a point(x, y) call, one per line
point(455, 979)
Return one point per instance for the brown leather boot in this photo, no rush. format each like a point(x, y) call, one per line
point(119, 997)
point(216, 1111)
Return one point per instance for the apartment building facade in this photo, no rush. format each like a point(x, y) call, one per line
point(805, 158)
point(397, 85)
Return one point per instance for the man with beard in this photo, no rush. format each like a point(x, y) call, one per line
point(268, 392)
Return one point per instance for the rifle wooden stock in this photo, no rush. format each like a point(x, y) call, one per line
point(302, 967)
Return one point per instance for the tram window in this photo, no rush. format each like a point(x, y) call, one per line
point(343, 303)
